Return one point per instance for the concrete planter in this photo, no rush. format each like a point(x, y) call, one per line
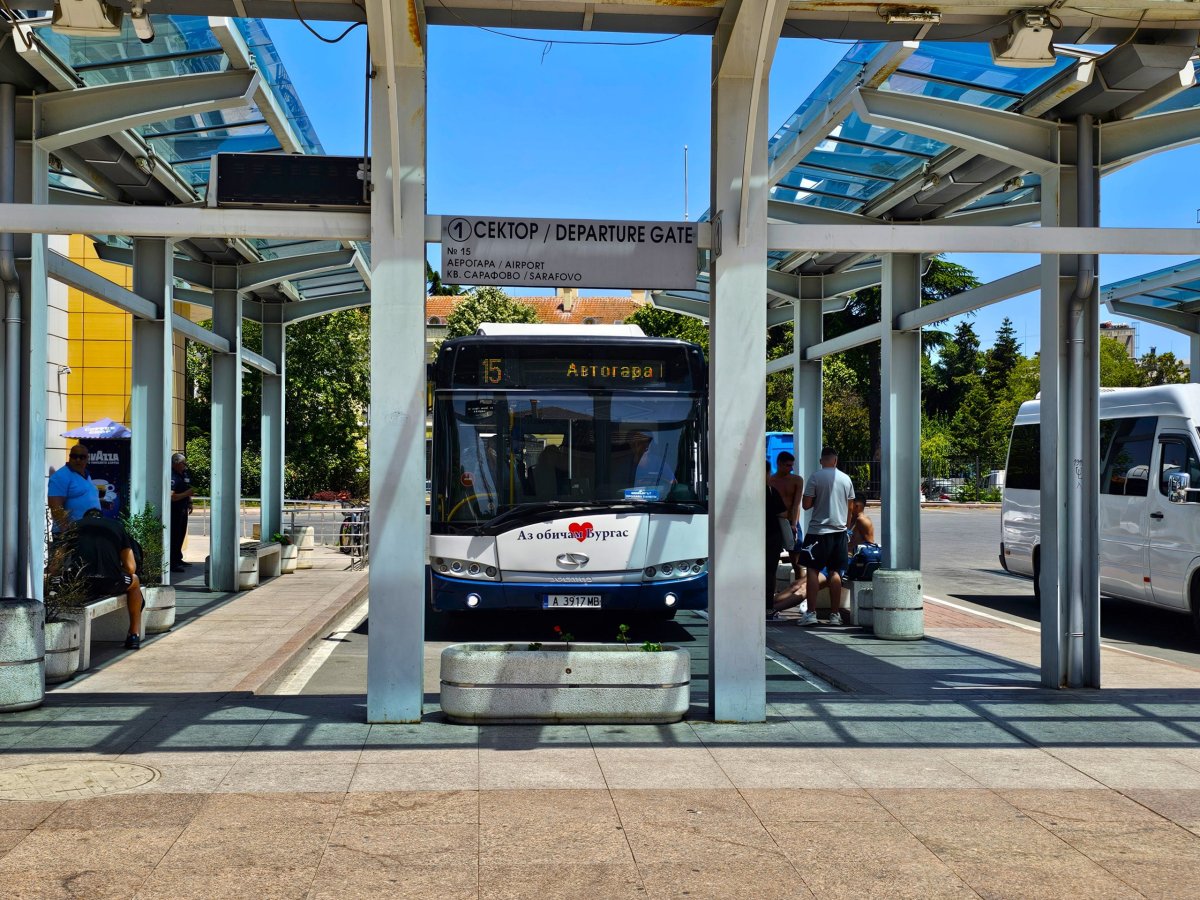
point(289, 558)
point(62, 650)
point(247, 573)
point(22, 654)
point(304, 537)
point(159, 614)
point(581, 683)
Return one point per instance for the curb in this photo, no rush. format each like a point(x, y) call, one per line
point(271, 672)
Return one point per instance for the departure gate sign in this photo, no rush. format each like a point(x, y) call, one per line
point(584, 253)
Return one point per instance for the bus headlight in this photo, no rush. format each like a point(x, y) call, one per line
point(670, 599)
point(464, 568)
point(472, 600)
point(684, 568)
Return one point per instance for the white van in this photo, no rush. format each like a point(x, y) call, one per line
point(1149, 509)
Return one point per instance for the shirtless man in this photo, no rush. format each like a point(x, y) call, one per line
point(791, 489)
point(862, 529)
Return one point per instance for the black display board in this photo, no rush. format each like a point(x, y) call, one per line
point(287, 181)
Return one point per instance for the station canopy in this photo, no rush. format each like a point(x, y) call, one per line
point(167, 163)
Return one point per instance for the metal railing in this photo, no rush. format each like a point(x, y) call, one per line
point(335, 524)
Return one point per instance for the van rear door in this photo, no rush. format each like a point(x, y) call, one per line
point(1174, 536)
point(1126, 447)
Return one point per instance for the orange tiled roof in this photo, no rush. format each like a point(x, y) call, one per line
point(603, 310)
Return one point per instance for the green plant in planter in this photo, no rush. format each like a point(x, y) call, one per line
point(64, 583)
point(280, 538)
point(146, 528)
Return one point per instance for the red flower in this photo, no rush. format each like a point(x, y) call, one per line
point(558, 629)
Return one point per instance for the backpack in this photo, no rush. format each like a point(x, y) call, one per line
point(866, 559)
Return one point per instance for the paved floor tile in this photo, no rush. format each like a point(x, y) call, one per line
point(788, 805)
point(226, 883)
point(1063, 807)
point(75, 850)
point(127, 811)
point(26, 814)
point(1180, 806)
point(543, 807)
point(654, 767)
point(868, 859)
point(548, 844)
point(561, 882)
point(1017, 858)
point(203, 846)
point(683, 808)
point(10, 837)
point(767, 878)
point(1025, 767)
point(781, 767)
point(747, 842)
point(368, 846)
point(1127, 768)
point(426, 775)
point(900, 768)
point(70, 882)
point(937, 805)
point(270, 810)
point(532, 737)
point(1157, 860)
point(457, 880)
point(551, 767)
point(411, 808)
point(185, 778)
point(254, 776)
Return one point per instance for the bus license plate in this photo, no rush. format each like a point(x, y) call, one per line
point(571, 601)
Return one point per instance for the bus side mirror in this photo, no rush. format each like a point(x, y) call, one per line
point(1177, 487)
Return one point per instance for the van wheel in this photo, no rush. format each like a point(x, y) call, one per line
point(1037, 576)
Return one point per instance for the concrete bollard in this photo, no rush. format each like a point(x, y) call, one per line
point(898, 609)
point(22, 654)
point(862, 602)
point(304, 537)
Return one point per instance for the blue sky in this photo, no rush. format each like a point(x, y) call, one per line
point(516, 128)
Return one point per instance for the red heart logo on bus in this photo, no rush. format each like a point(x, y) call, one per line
point(580, 530)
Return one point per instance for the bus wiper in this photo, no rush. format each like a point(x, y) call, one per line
point(530, 509)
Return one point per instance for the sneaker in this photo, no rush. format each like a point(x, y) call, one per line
point(835, 618)
point(133, 642)
point(809, 618)
point(773, 616)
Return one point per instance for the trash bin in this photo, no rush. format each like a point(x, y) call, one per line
point(898, 608)
point(22, 653)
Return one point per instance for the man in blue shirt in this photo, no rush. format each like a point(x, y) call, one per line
point(70, 492)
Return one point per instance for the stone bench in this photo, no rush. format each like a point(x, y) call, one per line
point(257, 562)
point(105, 619)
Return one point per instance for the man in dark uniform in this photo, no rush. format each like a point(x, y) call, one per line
point(181, 506)
point(104, 551)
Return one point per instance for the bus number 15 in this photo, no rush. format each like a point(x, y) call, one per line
point(492, 373)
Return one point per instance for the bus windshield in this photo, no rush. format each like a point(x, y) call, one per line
point(505, 451)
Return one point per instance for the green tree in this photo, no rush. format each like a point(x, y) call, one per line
point(663, 323)
point(1117, 367)
point(942, 279)
point(486, 304)
point(1002, 358)
point(844, 417)
point(327, 398)
point(958, 361)
point(1163, 369)
point(434, 286)
point(974, 437)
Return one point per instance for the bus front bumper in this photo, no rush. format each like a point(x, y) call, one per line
point(452, 594)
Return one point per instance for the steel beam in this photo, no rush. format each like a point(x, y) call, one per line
point(184, 222)
point(1009, 137)
point(194, 332)
point(807, 390)
point(943, 238)
point(866, 335)
point(256, 361)
point(310, 309)
point(152, 379)
point(241, 59)
point(1184, 323)
point(71, 273)
point(1128, 141)
point(1013, 285)
point(272, 421)
point(1152, 281)
point(226, 462)
point(900, 415)
point(684, 305)
point(258, 275)
point(190, 270)
point(67, 118)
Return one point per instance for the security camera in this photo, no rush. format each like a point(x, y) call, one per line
point(64, 370)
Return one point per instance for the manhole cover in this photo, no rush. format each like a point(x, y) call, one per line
point(70, 780)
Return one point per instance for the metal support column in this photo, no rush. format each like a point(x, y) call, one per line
point(395, 667)
point(737, 406)
point(32, 186)
point(150, 401)
point(807, 386)
point(1068, 555)
point(226, 463)
point(900, 415)
point(274, 336)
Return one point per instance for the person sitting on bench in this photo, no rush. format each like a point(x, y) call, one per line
point(104, 550)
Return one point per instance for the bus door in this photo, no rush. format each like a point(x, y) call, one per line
point(1174, 540)
point(1126, 446)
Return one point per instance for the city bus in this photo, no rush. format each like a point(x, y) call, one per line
point(1149, 504)
point(568, 471)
